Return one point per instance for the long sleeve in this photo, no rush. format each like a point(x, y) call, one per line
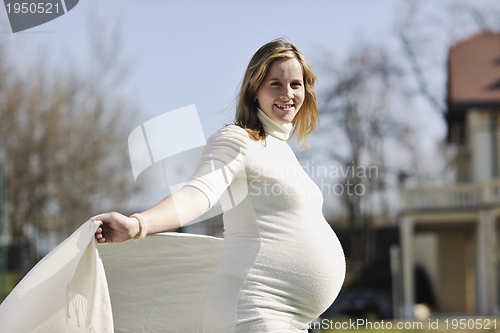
point(222, 162)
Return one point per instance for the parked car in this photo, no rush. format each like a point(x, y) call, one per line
point(362, 303)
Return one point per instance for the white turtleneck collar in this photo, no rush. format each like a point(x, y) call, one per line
point(272, 127)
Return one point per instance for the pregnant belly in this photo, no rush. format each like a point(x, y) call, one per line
point(311, 250)
point(293, 271)
point(305, 274)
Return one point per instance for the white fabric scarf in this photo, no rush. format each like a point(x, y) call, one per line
point(155, 285)
point(65, 292)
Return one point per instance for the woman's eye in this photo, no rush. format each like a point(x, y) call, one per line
point(275, 83)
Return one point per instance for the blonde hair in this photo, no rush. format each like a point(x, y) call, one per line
point(305, 121)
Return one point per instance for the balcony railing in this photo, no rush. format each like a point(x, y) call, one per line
point(455, 196)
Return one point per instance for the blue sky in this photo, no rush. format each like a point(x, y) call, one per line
point(179, 53)
point(195, 52)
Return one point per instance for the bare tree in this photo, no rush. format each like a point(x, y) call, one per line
point(426, 30)
point(425, 37)
point(63, 141)
point(358, 108)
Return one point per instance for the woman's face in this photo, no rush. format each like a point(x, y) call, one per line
point(281, 93)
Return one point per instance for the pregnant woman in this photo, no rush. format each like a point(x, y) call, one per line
point(282, 264)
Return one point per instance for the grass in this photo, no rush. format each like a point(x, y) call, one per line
point(13, 278)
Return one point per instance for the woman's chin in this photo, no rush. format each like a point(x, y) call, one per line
point(286, 120)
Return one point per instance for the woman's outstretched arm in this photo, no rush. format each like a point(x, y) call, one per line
point(174, 211)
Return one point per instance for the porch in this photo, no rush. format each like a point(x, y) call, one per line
point(451, 233)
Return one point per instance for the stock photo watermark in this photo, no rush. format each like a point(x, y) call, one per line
point(355, 324)
point(333, 180)
point(430, 324)
point(24, 15)
point(156, 165)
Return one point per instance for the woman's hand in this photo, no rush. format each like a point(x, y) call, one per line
point(115, 227)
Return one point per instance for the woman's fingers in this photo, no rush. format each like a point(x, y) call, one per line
point(113, 227)
point(98, 233)
point(97, 217)
point(100, 237)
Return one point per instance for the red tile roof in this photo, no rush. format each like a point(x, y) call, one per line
point(474, 72)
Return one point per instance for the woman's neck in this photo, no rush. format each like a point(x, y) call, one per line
point(274, 128)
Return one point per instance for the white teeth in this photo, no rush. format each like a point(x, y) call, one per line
point(286, 106)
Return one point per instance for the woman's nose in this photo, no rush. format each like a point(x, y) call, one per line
point(287, 93)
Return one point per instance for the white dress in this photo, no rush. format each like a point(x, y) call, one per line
point(279, 266)
point(282, 264)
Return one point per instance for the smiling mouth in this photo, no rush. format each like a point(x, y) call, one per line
point(284, 107)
